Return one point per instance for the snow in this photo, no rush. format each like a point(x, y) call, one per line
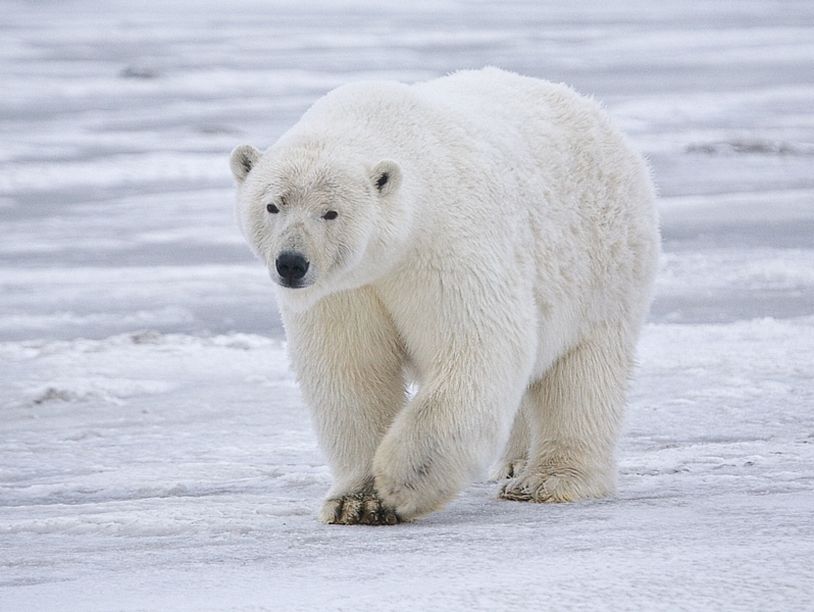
point(154, 449)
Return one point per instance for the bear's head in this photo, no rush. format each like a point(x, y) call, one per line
point(321, 222)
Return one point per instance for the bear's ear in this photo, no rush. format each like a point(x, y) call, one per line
point(385, 176)
point(242, 160)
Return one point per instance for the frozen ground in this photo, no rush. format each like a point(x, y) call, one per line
point(153, 448)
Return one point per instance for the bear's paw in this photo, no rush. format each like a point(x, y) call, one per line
point(362, 508)
point(556, 485)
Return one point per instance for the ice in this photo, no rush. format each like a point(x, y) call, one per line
point(155, 452)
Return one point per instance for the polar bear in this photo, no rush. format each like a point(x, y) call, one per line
point(462, 265)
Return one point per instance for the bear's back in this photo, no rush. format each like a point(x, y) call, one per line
point(493, 95)
point(503, 109)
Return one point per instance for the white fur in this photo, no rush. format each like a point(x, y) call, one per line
point(508, 259)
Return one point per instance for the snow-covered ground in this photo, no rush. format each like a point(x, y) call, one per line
point(154, 449)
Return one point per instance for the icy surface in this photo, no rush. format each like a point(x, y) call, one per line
point(154, 449)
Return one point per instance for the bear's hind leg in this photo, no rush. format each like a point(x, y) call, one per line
point(575, 416)
point(514, 457)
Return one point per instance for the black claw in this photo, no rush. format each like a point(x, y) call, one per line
point(371, 511)
point(338, 512)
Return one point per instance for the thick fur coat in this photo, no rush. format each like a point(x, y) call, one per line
point(491, 239)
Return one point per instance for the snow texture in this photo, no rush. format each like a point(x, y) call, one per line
point(154, 452)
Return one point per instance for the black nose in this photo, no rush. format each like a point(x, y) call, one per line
point(291, 266)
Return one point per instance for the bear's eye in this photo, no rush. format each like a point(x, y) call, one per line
point(330, 215)
point(272, 209)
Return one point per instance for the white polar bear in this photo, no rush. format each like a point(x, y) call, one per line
point(491, 238)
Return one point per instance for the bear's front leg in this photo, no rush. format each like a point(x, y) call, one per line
point(349, 364)
point(473, 350)
point(443, 440)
